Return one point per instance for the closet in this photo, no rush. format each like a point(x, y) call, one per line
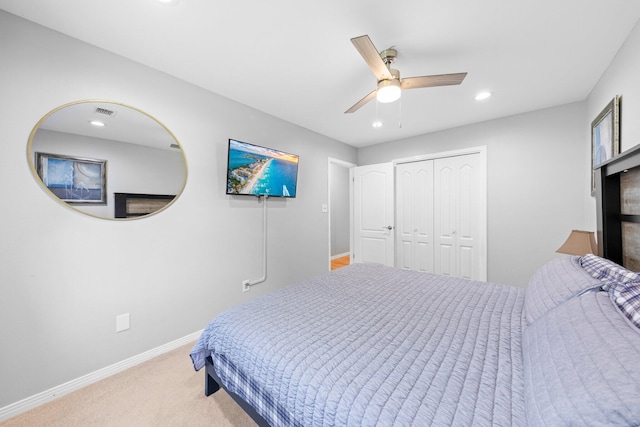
point(414, 216)
point(441, 215)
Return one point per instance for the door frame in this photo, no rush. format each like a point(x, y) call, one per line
point(342, 163)
point(482, 150)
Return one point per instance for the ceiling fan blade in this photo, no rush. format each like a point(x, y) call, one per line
point(432, 81)
point(360, 103)
point(365, 46)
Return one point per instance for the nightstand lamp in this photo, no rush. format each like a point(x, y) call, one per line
point(579, 243)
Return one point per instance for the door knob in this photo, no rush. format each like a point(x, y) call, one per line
point(388, 227)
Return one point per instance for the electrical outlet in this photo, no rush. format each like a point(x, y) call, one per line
point(123, 322)
point(245, 286)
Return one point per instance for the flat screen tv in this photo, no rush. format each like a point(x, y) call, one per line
point(259, 171)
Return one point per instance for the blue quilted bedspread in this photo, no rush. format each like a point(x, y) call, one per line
point(368, 345)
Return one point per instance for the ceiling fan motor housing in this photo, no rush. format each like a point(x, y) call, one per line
point(389, 56)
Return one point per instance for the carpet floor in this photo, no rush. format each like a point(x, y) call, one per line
point(164, 391)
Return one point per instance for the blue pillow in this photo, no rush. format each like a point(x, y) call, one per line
point(554, 283)
point(580, 366)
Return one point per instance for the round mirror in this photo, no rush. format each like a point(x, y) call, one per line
point(107, 160)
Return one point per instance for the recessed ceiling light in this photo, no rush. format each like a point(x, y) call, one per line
point(377, 124)
point(167, 2)
point(483, 95)
point(96, 123)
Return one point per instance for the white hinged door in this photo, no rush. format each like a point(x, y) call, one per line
point(373, 214)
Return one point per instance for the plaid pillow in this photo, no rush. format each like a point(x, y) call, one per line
point(623, 285)
point(609, 272)
point(629, 302)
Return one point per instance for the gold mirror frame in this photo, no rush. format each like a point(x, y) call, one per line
point(87, 168)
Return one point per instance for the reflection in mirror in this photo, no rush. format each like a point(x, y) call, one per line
point(88, 154)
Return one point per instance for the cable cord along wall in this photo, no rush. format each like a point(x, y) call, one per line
point(246, 284)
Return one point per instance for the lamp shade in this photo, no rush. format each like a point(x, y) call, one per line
point(579, 243)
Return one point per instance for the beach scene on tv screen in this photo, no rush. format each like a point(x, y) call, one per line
point(259, 171)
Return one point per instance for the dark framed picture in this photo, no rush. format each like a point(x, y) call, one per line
point(72, 179)
point(605, 136)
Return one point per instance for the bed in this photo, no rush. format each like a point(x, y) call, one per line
point(373, 345)
point(368, 345)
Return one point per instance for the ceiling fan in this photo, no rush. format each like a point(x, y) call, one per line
point(390, 84)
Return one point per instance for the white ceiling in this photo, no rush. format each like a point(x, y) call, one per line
point(294, 60)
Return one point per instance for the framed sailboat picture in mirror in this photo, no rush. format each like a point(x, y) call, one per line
point(73, 180)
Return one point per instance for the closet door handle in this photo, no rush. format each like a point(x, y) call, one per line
point(388, 227)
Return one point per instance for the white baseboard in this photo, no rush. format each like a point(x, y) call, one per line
point(339, 255)
point(31, 402)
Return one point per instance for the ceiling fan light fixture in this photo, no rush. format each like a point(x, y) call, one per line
point(388, 91)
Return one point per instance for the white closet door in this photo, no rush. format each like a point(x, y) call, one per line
point(373, 214)
point(414, 203)
point(460, 217)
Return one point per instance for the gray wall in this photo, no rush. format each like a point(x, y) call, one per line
point(621, 78)
point(64, 276)
point(536, 182)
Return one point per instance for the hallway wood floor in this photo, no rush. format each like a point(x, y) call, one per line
point(340, 262)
